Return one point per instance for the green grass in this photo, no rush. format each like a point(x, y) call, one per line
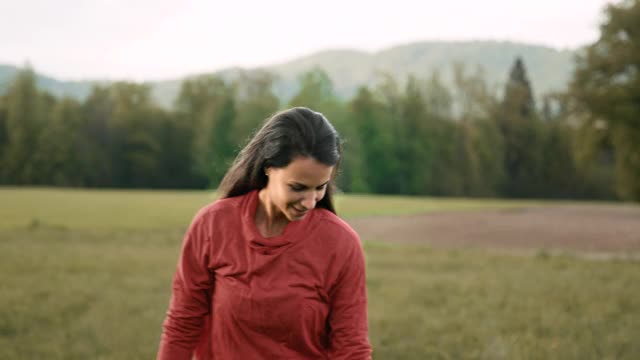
point(99, 209)
point(454, 304)
point(141, 209)
point(84, 295)
point(89, 295)
point(99, 290)
point(356, 205)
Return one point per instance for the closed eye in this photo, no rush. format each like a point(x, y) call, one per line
point(300, 187)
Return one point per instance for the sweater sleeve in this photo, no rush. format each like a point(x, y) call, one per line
point(348, 315)
point(190, 297)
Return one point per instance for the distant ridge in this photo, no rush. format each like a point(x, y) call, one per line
point(549, 69)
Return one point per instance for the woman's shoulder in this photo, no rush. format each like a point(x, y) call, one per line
point(227, 207)
point(336, 227)
point(230, 203)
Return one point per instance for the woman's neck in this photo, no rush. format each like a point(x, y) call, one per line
point(269, 220)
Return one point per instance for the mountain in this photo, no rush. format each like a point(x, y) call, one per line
point(548, 69)
point(74, 89)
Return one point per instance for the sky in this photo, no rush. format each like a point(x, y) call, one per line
point(163, 39)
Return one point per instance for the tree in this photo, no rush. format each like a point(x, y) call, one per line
point(255, 102)
point(316, 92)
point(606, 90)
point(135, 147)
point(96, 139)
point(374, 167)
point(222, 147)
point(482, 145)
point(520, 128)
point(208, 105)
point(24, 118)
point(58, 155)
point(4, 136)
point(417, 149)
point(175, 153)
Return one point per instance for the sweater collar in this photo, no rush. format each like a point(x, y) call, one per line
point(290, 234)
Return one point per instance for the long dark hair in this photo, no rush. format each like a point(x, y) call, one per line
point(290, 133)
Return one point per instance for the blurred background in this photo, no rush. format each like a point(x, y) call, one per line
point(491, 164)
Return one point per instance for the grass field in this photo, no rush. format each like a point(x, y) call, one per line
point(138, 209)
point(86, 275)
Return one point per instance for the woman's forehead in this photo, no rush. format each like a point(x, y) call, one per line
point(307, 169)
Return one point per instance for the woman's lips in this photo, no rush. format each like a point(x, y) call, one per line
point(298, 210)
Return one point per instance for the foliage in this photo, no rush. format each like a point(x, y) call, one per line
point(414, 136)
point(606, 91)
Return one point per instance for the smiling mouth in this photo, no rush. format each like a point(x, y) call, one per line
point(298, 210)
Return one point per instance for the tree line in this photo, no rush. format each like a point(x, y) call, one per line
point(401, 136)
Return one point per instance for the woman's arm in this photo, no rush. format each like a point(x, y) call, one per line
point(190, 298)
point(349, 335)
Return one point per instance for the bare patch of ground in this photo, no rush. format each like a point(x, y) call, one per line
point(584, 228)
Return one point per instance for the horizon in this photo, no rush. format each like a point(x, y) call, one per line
point(165, 40)
point(286, 61)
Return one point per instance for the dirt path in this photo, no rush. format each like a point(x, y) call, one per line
point(590, 228)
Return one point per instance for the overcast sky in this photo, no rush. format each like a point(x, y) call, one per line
point(162, 39)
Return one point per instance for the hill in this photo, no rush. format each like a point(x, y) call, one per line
point(549, 69)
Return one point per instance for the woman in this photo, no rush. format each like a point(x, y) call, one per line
point(269, 271)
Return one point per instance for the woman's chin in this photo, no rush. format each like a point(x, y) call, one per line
point(295, 215)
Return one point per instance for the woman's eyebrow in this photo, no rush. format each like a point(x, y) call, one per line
point(306, 186)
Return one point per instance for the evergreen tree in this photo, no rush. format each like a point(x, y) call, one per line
point(518, 122)
point(518, 94)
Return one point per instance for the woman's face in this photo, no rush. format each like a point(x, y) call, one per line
point(296, 188)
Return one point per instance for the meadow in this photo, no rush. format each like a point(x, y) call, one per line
point(86, 274)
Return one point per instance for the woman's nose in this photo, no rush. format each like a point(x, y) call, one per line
point(309, 201)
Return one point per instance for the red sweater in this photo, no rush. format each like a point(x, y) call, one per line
point(238, 295)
